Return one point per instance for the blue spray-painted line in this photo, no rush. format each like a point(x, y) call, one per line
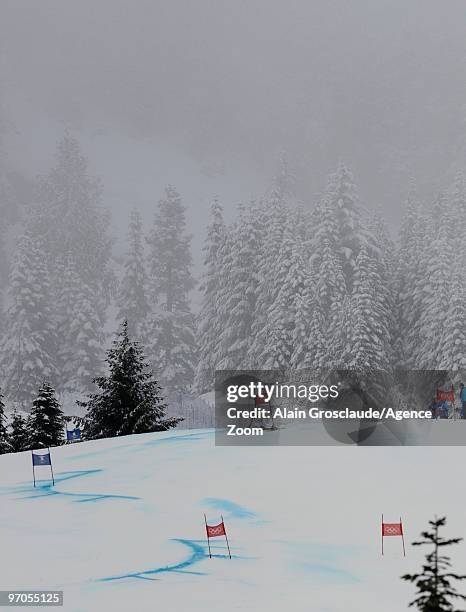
point(225, 505)
point(82, 497)
point(198, 553)
point(46, 482)
point(193, 437)
point(47, 489)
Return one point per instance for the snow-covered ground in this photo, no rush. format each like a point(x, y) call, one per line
point(123, 529)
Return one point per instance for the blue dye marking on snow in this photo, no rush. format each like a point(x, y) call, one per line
point(45, 483)
point(331, 572)
point(231, 509)
point(45, 488)
point(325, 552)
point(194, 437)
point(198, 553)
point(323, 560)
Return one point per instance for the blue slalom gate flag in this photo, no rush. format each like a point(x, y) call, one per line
point(41, 459)
point(73, 434)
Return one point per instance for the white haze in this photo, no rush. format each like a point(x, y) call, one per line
point(206, 94)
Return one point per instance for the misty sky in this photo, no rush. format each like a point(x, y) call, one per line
point(206, 93)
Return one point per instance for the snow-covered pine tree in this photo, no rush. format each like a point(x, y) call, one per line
point(370, 326)
point(284, 181)
point(458, 215)
point(19, 436)
point(344, 204)
point(452, 350)
point(441, 322)
point(325, 260)
point(281, 318)
point(411, 280)
point(318, 353)
point(171, 327)
point(68, 220)
point(129, 399)
point(226, 259)
point(87, 339)
point(330, 284)
point(5, 444)
point(339, 333)
point(269, 222)
point(331, 295)
point(434, 300)
point(239, 291)
point(79, 329)
point(209, 325)
point(450, 223)
point(383, 251)
point(133, 301)
point(309, 345)
point(73, 221)
point(46, 422)
point(29, 344)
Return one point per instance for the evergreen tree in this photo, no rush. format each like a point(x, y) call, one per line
point(5, 444)
point(435, 591)
point(383, 253)
point(411, 281)
point(330, 283)
point(317, 356)
point(129, 399)
point(87, 338)
point(19, 435)
point(343, 201)
point(370, 345)
point(46, 422)
point(284, 180)
point(81, 337)
point(133, 304)
point(453, 341)
point(339, 333)
point(239, 292)
point(268, 223)
point(325, 261)
point(171, 326)
point(29, 346)
point(290, 278)
point(71, 220)
point(209, 322)
point(439, 276)
point(458, 217)
point(309, 346)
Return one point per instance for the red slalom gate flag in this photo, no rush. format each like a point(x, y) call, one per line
point(393, 529)
point(214, 531)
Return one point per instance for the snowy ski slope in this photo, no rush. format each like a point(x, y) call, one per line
point(123, 529)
